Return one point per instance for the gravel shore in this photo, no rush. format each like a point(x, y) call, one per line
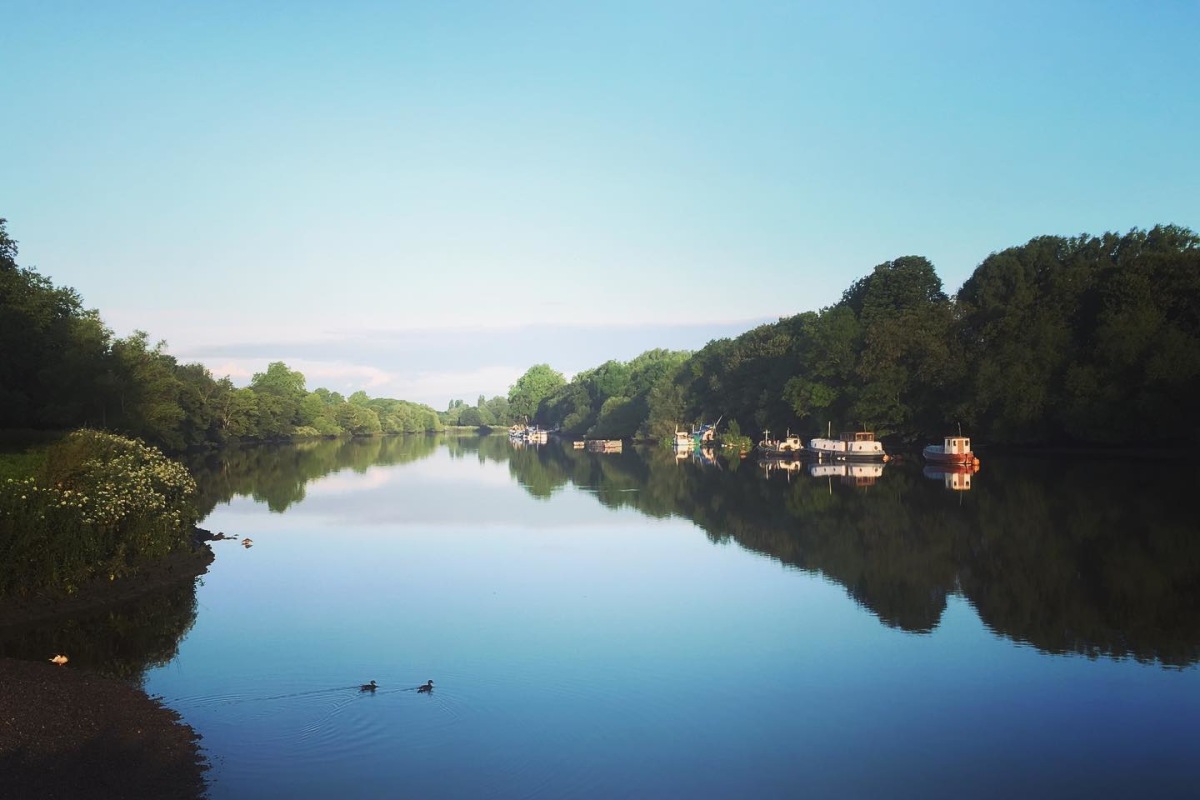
point(69, 734)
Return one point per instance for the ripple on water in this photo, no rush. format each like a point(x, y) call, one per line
point(554, 730)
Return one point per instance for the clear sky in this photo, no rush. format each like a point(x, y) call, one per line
point(424, 199)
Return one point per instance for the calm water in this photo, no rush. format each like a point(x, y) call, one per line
point(636, 625)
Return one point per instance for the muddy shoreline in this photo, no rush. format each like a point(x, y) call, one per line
point(72, 734)
point(67, 732)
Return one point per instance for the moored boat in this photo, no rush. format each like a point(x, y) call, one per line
point(953, 450)
point(705, 434)
point(788, 446)
point(850, 446)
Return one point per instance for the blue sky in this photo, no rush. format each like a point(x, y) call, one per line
point(424, 199)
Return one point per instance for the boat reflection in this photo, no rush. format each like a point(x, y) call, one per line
point(956, 477)
point(785, 466)
point(705, 457)
point(850, 473)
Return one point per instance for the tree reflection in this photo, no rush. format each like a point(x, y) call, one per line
point(120, 641)
point(276, 474)
point(1091, 557)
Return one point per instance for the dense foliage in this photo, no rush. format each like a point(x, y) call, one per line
point(99, 505)
point(485, 413)
point(63, 369)
point(1087, 340)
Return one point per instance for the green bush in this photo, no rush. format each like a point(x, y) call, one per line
point(99, 505)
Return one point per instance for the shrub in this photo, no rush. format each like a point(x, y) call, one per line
point(100, 505)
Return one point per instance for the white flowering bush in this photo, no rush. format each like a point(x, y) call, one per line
point(102, 505)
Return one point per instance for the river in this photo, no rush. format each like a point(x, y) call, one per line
point(637, 624)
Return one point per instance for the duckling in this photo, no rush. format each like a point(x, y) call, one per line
point(368, 687)
point(427, 687)
point(59, 659)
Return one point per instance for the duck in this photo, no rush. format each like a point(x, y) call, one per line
point(426, 687)
point(368, 687)
point(59, 659)
point(247, 542)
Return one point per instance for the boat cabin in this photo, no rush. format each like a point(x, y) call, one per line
point(956, 446)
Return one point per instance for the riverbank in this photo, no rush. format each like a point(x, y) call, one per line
point(177, 567)
point(71, 734)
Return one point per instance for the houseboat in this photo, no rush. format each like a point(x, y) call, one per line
point(850, 446)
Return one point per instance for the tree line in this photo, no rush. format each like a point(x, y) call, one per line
point(1084, 339)
point(1090, 340)
point(62, 368)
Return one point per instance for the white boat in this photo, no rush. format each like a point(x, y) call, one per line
point(527, 434)
point(850, 446)
point(683, 440)
point(953, 450)
point(788, 446)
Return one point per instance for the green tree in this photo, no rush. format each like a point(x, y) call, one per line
point(526, 395)
point(906, 320)
point(148, 390)
point(54, 353)
point(280, 392)
point(358, 420)
point(498, 408)
point(472, 417)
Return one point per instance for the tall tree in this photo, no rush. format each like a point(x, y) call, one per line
point(147, 399)
point(538, 383)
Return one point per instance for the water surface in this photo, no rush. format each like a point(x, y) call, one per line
point(636, 625)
